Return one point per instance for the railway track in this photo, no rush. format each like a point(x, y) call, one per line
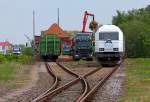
point(87, 90)
point(49, 93)
point(99, 84)
point(54, 85)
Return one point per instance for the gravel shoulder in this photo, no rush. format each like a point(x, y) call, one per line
point(39, 82)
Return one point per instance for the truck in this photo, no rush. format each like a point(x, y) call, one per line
point(16, 50)
point(83, 46)
point(66, 49)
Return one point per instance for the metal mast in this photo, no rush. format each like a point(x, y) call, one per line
point(58, 15)
point(33, 24)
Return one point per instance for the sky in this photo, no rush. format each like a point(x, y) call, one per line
point(16, 15)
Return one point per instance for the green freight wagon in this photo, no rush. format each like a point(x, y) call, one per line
point(50, 46)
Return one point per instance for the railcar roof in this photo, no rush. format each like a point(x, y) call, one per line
point(107, 28)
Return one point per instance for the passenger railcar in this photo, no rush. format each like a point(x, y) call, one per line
point(109, 45)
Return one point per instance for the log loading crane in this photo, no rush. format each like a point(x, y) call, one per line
point(86, 14)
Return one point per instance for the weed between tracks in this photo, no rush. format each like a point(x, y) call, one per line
point(137, 84)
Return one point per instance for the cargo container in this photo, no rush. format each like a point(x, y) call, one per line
point(50, 46)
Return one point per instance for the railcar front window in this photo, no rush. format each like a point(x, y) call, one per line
point(108, 35)
point(83, 43)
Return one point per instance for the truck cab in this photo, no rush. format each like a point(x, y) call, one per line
point(66, 49)
point(17, 50)
point(82, 46)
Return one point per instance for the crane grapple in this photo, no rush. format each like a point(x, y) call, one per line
point(93, 24)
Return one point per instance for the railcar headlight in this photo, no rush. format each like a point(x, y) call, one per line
point(115, 49)
point(101, 49)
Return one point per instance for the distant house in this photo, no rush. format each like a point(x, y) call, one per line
point(5, 47)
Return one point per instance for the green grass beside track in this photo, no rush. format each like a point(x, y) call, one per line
point(13, 76)
point(7, 72)
point(137, 83)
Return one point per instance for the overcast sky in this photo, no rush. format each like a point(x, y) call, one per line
point(16, 15)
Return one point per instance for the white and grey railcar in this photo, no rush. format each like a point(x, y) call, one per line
point(109, 44)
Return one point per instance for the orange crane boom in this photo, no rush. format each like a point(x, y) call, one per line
point(86, 14)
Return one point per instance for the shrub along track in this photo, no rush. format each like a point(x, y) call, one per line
point(74, 85)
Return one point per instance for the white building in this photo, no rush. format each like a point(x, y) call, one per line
point(5, 47)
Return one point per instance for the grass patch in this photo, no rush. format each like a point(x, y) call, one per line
point(7, 72)
point(13, 76)
point(137, 84)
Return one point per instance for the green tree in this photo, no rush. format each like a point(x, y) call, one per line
point(135, 25)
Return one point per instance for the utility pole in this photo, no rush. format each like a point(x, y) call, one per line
point(33, 42)
point(58, 15)
point(33, 25)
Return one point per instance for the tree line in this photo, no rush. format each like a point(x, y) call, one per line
point(136, 27)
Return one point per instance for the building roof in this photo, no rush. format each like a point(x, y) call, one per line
point(6, 43)
point(56, 29)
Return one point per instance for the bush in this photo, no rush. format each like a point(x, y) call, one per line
point(2, 58)
point(23, 59)
point(28, 51)
point(10, 58)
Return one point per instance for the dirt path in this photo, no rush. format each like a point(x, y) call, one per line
point(32, 82)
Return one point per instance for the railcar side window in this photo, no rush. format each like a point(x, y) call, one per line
point(108, 35)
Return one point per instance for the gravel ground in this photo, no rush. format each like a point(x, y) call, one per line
point(43, 83)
